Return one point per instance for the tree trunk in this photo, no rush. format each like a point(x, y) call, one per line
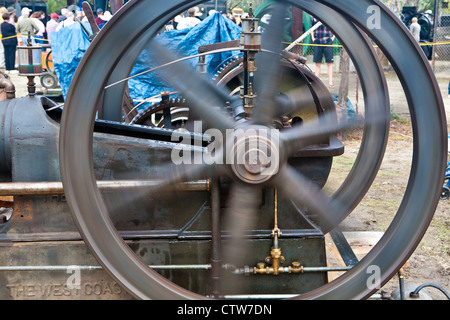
point(343, 87)
point(297, 28)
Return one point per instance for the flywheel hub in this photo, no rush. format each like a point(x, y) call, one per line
point(254, 154)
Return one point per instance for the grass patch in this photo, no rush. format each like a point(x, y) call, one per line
point(396, 117)
point(443, 229)
point(343, 162)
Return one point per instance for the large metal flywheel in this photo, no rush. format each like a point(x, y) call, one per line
point(108, 60)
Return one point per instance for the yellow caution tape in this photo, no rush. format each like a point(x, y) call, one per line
point(375, 46)
point(299, 44)
point(18, 35)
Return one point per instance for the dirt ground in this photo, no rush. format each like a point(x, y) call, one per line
point(430, 263)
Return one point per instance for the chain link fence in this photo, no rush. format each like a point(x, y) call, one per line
point(438, 51)
point(441, 54)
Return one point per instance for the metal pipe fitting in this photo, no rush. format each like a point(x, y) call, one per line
point(8, 86)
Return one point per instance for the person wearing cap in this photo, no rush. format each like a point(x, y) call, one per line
point(52, 24)
point(99, 20)
point(27, 25)
point(25, 12)
point(12, 15)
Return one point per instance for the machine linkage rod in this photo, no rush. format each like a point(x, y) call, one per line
point(56, 188)
point(156, 267)
point(88, 268)
point(375, 296)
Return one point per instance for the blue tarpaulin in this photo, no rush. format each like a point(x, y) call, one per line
point(68, 47)
point(351, 113)
point(70, 43)
point(213, 29)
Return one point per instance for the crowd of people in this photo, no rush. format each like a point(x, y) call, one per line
point(17, 26)
point(192, 17)
point(15, 29)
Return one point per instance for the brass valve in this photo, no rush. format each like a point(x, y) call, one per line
point(296, 267)
point(262, 268)
point(276, 259)
point(273, 263)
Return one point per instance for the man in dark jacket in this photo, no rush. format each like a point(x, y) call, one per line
point(9, 41)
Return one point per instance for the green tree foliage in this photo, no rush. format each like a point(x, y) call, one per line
point(55, 5)
point(422, 5)
point(243, 4)
point(426, 5)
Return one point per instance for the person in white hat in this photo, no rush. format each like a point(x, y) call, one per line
point(105, 17)
point(63, 15)
point(65, 23)
point(25, 25)
point(25, 12)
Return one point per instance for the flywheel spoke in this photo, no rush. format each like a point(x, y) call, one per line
point(240, 218)
point(269, 73)
point(311, 133)
point(322, 210)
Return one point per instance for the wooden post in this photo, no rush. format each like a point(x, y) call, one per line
point(343, 87)
point(436, 22)
point(297, 28)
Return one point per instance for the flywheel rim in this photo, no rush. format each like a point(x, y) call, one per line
point(349, 286)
